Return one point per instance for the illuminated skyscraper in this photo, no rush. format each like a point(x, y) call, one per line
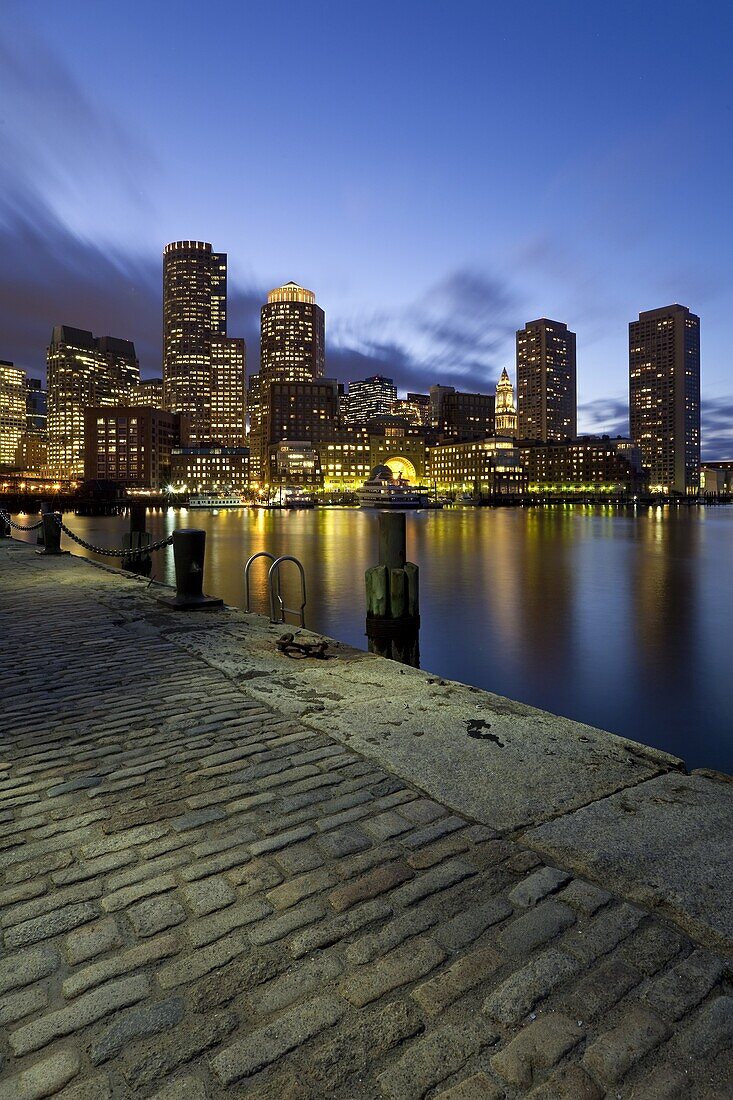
point(505, 409)
point(12, 411)
point(83, 370)
point(196, 355)
point(228, 391)
point(370, 398)
point(293, 336)
point(664, 396)
point(546, 389)
point(292, 349)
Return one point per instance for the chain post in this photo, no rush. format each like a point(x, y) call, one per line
point(189, 549)
point(51, 535)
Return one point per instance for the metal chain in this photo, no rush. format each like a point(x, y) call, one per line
point(108, 553)
point(19, 526)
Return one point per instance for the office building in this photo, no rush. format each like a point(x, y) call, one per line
point(228, 391)
point(592, 464)
point(546, 381)
point(664, 396)
point(13, 413)
point(198, 359)
point(131, 445)
point(369, 398)
point(292, 336)
point(83, 371)
point(296, 411)
point(292, 350)
point(210, 469)
point(485, 467)
point(149, 393)
point(505, 409)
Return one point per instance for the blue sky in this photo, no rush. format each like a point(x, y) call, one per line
point(438, 172)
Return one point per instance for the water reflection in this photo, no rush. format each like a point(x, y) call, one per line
point(617, 617)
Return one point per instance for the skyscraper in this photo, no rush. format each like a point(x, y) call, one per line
point(83, 370)
point(505, 409)
point(546, 387)
point(664, 396)
point(12, 411)
point(292, 336)
point(198, 357)
point(369, 398)
point(292, 350)
point(228, 391)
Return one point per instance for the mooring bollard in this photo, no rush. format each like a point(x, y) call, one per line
point(189, 549)
point(45, 508)
point(4, 528)
point(137, 539)
point(392, 596)
point(51, 535)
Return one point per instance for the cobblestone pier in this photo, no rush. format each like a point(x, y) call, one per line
point(225, 873)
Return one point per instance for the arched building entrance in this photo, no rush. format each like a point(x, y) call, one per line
point(401, 467)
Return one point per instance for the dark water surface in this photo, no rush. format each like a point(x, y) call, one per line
point(618, 618)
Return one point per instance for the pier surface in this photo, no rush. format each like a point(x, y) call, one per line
point(227, 873)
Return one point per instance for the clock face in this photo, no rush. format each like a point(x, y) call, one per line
point(401, 467)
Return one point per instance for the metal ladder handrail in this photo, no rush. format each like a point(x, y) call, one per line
point(259, 554)
point(273, 577)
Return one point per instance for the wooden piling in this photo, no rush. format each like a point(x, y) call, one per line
point(392, 595)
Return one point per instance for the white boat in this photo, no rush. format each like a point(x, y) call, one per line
point(215, 500)
point(383, 490)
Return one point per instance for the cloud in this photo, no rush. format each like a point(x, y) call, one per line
point(717, 428)
point(604, 416)
point(459, 331)
point(50, 275)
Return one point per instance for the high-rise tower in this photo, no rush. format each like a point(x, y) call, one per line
point(292, 351)
point(505, 409)
point(546, 388)
point(198, 357)
point(83, 370)
point(664, 396)
point(293, 336)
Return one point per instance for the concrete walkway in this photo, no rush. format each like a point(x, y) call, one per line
point(226, 873)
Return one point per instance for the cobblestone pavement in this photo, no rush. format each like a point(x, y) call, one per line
point(203, 898)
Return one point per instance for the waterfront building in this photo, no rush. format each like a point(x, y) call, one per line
point(664, 396)
point(83, 371)
point(546, 381)
point(210, 469)
point(593, 464)
point(485, 467)
point(373, 396)
point(197, 356)
point(345, 460)
point(13, 411)
point(131, 445)
point(402, 446)
point(505, 409)
point(228, 391)
point(294, 411)
point(296, 462)
point(716, 478)
point(149, 393)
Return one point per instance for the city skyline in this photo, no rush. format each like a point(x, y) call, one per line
point(425, 261)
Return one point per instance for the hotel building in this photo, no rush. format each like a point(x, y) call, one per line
point(546, 381)
point(664, 396)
